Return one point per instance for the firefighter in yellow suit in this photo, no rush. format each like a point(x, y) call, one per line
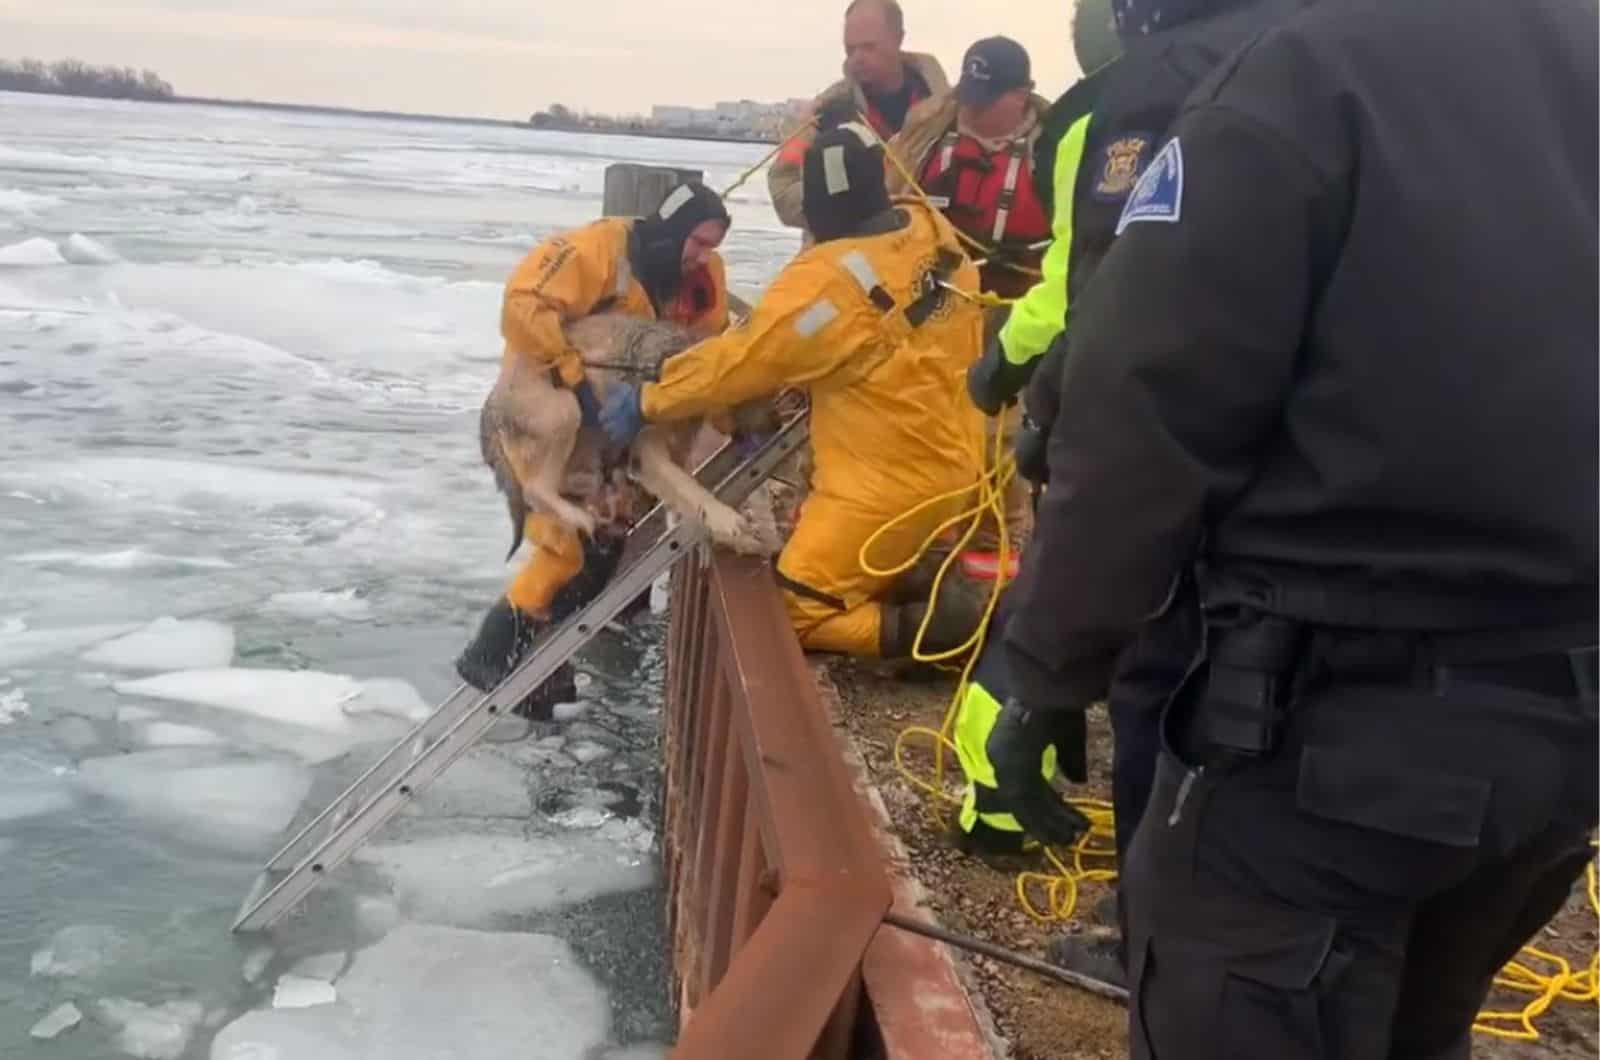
point(663, 266)
point(863, 321)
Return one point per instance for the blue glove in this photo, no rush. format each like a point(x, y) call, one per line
point(622, 418)
point(588, 404)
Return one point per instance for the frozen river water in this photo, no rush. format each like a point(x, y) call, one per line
point(243, 531)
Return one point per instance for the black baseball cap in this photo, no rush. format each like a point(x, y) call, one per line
point(991, 68)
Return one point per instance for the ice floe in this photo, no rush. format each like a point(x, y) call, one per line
point(324, 966)
point(152, 1032)
point(81, 951)
point(255, 963)
point(209, 797)
point(343, 604)
point(166, 734)
point(298, 991)
point(60, 1020)
point(13, 705)
point(168, 644)
point(507, 993)
point(19, 646)
point(470, 879)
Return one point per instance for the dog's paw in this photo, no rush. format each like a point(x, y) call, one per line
point(733, 531)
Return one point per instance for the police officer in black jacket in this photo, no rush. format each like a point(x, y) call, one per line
point(1168, 46)
point(1341, 364)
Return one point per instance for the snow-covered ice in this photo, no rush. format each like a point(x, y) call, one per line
point(168, 644)
point(31, 253)
point(61, 1019)
point(507, 994)
point(221, 800)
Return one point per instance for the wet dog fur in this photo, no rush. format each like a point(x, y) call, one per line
point(544, 459)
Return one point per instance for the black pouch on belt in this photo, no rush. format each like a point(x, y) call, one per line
point(1252, 662)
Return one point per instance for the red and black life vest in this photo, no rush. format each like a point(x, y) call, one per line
point(697, 296)
point(989, 195)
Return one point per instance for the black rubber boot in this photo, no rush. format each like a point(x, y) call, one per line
point(994, 847)
point(504, 639)
point(956, 616)
point(1098, 957)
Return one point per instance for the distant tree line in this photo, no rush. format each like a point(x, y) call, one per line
point(562, 117)
point(72, 77)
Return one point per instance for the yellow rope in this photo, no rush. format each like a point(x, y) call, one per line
point(922, 196)
point(744, 177)
point(1560, 983)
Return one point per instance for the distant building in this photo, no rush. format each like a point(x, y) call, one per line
point(730, 117)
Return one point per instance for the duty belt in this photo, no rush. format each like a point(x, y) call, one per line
point(1262, 658)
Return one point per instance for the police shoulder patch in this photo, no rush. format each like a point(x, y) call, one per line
point(1120, 164)
point(1159, 194)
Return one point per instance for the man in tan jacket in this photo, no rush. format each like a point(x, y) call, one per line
point(881, 83)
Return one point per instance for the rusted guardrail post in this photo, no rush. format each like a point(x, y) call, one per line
point(776, 886)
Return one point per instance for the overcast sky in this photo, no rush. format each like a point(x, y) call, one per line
point(506, 58)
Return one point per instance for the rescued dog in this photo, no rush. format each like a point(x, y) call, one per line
point(544, 459)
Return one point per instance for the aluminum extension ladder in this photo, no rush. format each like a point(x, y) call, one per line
point(457, 723)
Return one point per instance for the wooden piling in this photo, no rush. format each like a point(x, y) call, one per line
point(633, 190)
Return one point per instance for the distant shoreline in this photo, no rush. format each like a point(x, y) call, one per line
point(452, 119)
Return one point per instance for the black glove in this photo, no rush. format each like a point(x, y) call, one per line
point(1039, 414)
point(1033, 452)
point(1016, 747)
point(994, 382)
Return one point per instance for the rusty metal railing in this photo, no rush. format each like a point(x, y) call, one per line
point(776, 886)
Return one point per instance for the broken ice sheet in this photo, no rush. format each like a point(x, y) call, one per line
point(508, 994)
point(80, 950)
point(205, 796)
point(255, 963)
point(324, 966)
point(152, 1032)
point(297, 991)
point(469, 879)
point(59, 1021)
point(168, 644)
